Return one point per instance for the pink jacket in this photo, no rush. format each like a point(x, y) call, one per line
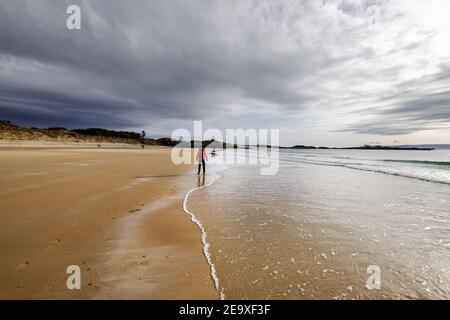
point(202, 155)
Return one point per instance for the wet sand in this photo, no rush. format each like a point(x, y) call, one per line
point(326, 232)
point(117, 214)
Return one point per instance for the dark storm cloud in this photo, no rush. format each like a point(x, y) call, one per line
point(44, 108)
point(166, 60)
point(141, 63)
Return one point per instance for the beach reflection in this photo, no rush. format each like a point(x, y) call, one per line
point(201, 181)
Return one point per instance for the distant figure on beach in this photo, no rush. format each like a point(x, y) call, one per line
point(143, 139)
point(202, 157)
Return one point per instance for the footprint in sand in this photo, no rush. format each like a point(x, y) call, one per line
point(23, 266)
point(50, 286)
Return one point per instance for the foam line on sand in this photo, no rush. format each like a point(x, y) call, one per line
point(203, 238)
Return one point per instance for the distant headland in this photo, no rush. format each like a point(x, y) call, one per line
point(365, 147)
point(11, 132)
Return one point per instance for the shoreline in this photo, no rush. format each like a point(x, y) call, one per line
point(113, 212)
point(205, 244)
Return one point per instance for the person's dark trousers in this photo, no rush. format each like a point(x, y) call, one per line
point(200, 164)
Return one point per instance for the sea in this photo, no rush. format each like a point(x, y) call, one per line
point(330, 224)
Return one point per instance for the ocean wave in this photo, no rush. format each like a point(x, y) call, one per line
point(428, 175)
point(431, 163)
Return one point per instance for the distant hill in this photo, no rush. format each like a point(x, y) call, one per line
point(12, 133)
point(424, 147)
point(106, 133)
point(300, 147)
point(433, 146)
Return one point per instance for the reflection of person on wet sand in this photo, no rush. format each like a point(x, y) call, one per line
point(202, 157)
point(201, 181)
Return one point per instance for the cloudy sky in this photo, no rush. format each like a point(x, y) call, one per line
point(325, 72)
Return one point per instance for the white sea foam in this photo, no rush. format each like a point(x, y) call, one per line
point(203, 238)
point(395, 168)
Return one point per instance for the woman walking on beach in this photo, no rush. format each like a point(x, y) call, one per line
point(202, 157)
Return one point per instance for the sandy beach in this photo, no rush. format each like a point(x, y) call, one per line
point(117, 214)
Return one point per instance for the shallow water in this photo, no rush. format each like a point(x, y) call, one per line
point(313, 230)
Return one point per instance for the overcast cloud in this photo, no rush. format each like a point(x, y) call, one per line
point(324, 72)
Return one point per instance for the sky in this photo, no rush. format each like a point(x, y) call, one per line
point(323, 72)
